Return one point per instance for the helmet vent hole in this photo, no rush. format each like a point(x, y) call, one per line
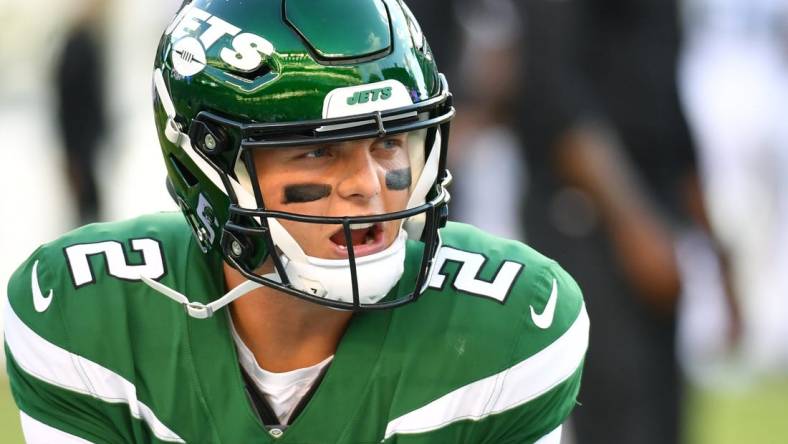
point(186, 176)
point(251, 76)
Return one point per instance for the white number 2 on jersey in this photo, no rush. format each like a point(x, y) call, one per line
point(467, 279)
point(117, 264)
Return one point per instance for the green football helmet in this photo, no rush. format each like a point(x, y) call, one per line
point(232, 77)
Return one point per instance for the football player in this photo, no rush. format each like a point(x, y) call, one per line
point(314, 291)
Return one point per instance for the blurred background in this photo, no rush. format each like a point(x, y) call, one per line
point(641, 143)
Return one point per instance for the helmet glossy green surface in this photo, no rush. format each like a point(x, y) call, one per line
point(291, 83)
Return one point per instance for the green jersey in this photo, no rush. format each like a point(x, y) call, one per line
point(492, 352)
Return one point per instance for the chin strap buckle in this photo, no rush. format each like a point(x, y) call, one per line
point(198, 310)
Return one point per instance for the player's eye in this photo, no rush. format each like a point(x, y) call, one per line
point(323, 151)
point(390, 143)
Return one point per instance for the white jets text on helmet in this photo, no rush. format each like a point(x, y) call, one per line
point(195, 31)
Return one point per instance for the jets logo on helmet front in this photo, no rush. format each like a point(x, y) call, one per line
point(366, 96)
point(194, 32)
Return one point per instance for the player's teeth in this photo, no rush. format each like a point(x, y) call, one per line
point(360, 226)
point(342, 247)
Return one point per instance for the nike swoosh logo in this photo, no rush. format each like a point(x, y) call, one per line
point(545, 319)
point(40, 302)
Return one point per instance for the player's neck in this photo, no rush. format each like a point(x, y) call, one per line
point(283, 332)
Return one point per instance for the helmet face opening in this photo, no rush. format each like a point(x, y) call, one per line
point(357, 283)
point(257, 244)
point(211, 130)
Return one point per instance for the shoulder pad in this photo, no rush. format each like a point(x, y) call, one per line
point(83, 283)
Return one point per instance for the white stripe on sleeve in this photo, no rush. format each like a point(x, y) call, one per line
point(37, 432)
point(502, 391)
point(553, 437)
point(49, 363)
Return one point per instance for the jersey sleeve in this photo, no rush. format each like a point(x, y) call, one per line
point(47, 382)
point(527, 399)
point(541, 390)
point(85, 355)
point(62, 393)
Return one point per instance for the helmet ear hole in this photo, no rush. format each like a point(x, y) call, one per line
point(184, 174)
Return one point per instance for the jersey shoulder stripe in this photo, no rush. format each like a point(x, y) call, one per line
point(49, 363)
point(36, 431)
point(502, 391)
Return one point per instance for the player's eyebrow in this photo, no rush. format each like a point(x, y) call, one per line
point(305, 192)
point(398, 179)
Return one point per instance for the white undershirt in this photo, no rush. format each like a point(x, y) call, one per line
point(283, 391)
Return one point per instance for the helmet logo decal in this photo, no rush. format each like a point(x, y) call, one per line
point(194, 31)
point(372, 94)
point(207, 217)
point(188, 56)
point(360, 99)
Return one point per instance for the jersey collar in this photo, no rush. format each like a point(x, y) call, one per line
point(219, 378)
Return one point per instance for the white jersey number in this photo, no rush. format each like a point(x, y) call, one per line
point(117, 263)
point(467, 277)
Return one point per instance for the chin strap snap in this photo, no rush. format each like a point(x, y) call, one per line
point(198, 310)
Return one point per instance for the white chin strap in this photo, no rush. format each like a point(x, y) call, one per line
point(376, 274)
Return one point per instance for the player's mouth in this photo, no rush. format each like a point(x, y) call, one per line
point(367, 239)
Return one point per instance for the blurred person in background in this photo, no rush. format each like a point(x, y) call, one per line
point(611, 161)
point(80, 105)
point(479, 42)
point(488, 152)
point(734, 83)
point(31, 41)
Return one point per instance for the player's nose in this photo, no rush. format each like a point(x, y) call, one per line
point(361, 173)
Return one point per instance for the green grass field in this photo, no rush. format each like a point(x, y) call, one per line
point(758, 415)
point(10, 432)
